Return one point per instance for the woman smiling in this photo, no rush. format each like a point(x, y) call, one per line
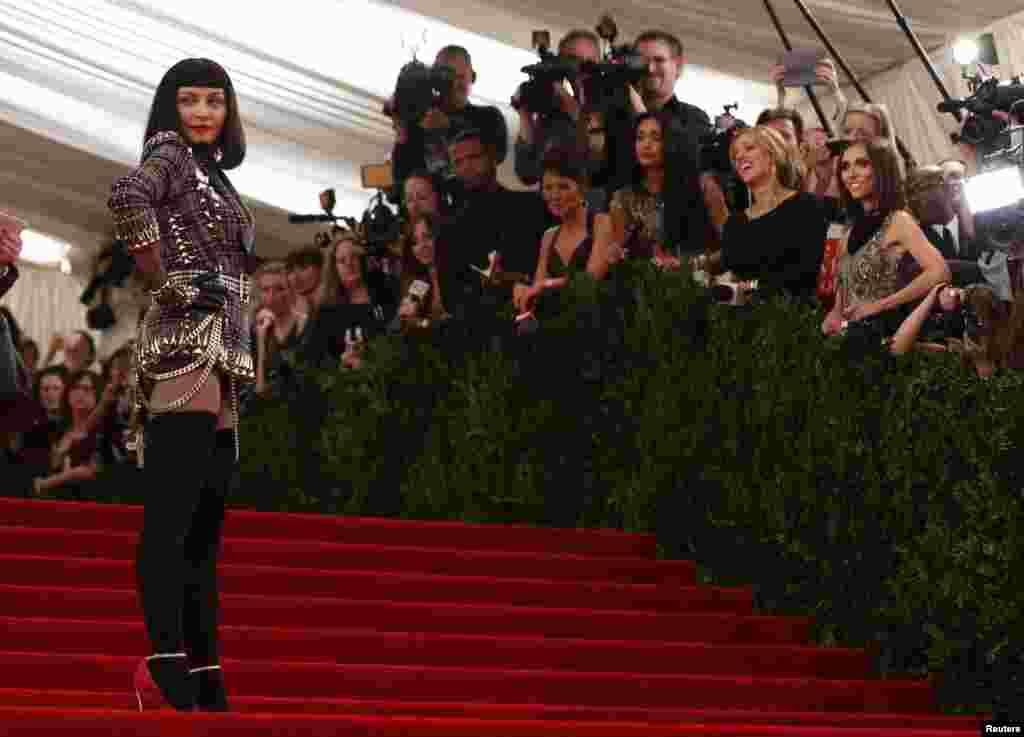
point(884, 245)
point(779, 240)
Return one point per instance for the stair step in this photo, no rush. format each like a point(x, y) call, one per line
point(297, 553)
point(36, 722)
point(367, 646)
point(343, 529)
point(124, 700)
point(431, 683)
point(494, 619)
point(25, 570)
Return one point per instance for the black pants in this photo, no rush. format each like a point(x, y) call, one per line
point(188, 469)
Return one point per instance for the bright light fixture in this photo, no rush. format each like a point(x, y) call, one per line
point(966, 51)
point(994, 189)
point(42, 250)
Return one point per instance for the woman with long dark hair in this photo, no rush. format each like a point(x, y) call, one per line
point(667, 209)
point(74, 458)
point(192, 239)
point(423, 195)
point(422, 304)
point(884, 247)
point(971, 322)
point(358, 303)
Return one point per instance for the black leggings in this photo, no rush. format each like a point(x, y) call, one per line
point(188, 469)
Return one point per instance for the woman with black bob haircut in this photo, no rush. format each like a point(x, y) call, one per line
point(664, 210)
point(192, 239)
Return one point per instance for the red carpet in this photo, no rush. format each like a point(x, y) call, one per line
point(348, 626)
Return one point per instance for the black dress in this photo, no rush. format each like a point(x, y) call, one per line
point(325, 335)
point(783, 248)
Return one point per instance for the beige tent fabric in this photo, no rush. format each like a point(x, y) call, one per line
point(44, 302)
point(912, 96)
point(735, 36)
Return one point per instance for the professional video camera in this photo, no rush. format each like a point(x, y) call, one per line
point(113, 266)
point(996, 194)
point(714, 147)
point(418, 89)
point(379, 225)
point(714, 157)
point(604, 81)
point(990, 97)
point(535, 95)
point(622, 64)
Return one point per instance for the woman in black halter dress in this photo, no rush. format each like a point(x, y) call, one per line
point(583, 239)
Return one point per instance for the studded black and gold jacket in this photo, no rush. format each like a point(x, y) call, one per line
point(184, 202)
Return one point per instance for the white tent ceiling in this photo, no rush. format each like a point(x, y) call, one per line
point(78, 76)
point(736, 36)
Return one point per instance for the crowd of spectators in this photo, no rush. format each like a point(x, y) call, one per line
point(887, 250)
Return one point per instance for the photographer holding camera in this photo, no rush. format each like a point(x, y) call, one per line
point(539, 128)
point(422, 142)
point(663, 54)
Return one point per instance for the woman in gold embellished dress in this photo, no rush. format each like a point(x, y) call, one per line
point(192, 239)
point(886, 263)
point(669, 209)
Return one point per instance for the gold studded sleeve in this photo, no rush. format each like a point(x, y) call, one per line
point(134, 198)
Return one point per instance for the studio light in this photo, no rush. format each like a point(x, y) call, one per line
point(42, 250)
point(994, 189)
point(966, 51)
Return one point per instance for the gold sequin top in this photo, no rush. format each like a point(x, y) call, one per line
point(873, 272)
point(186, 204)
point(640, 211)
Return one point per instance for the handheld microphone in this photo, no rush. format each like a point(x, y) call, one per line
point(418, 290)
point(298, 219)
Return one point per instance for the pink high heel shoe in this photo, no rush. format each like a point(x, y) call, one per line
point(149, 695)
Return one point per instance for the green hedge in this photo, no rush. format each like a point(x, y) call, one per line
point(881, 495)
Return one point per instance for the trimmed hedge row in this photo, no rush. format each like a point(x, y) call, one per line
point(882, 495)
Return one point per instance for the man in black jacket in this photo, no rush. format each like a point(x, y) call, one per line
point(663, 53)
point(931, 199)
point(536, 132)
point(488, 218)
point(424, 145)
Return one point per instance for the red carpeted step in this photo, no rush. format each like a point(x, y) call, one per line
point(348, 626)
point(35, 722)
point(420, 683)
point(360, 584)
point(332, 528)
point(297, 553)
point(124, 700)
point(431, 648)
point(323, 612)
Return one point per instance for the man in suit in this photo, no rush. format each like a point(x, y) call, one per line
point(943, 219)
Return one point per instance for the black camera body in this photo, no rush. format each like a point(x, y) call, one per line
point(379, 226)
point(982, 127)
point(419, 89)
point(605, 81)
point(114, 267)
point(535, 95)
point(714, 157)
